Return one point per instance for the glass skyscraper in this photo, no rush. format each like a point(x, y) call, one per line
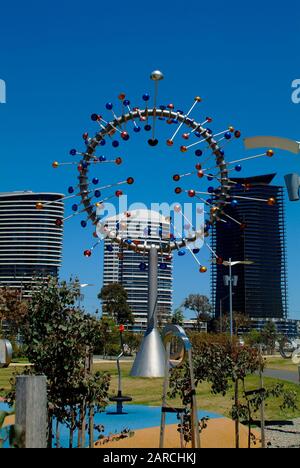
point(129, 268)
point(30, 240)
point(261, 291)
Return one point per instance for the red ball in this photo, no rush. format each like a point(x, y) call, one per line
point(170, 142)
point(121, 328)
point(237, 134)
point(130, 180)
point(178, 190)
point(200, 174)
point(87, 253)
point(198, 166)
point(118, 161)
point(58, 222)
point(124, 135)
point(191, 193)
point(79, 167)
point(170, 106)
point(185, 136)
point(122, 96)
point(85, 136)
point(176, 177)
point(209, 119)
point(183, 149)
point(219, 261)
point(119, 193)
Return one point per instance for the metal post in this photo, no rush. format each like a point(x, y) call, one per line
point(31, 409)
point(221, 318)
point(152, 287)
point(262, 405)
point(230, 298)
point(164, 397)
point(150, 359)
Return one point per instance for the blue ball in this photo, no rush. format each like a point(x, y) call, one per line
point(198, 152)
point(163, 266)
point(73, 152)
point(181, 253)
point(174, 121)
point(84, 164)
point(195, 251)
point(126, 102)
point(97, 193)
point(238, 168)
point(102, 142)
point(162, 107)
point(74, 207)
point(94, 117)
point(210, 177)
point(198, 134)
point(102, 158)
point(109, 248)
point(209, 131)
point(128, 241)
point(221, 152)
point(210, 189)
point(227, 135)
point(83, 223)
point(115, 143)
point(136, 129)
point(147, 127)
point(109, 106)
point(209, 201)
point(95, 180)
point(234, 203)
point(71, 190)
point(146, 97)
point(142, 266)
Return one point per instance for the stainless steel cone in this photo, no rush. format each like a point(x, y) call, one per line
point(150, 360)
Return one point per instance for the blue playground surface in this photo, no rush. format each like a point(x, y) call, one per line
point(137, 417)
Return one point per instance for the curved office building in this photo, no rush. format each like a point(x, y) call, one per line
point(30, 241)
point(123, 266)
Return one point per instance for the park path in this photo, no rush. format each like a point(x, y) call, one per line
point(289, 376)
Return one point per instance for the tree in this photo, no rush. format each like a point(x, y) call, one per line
point(201, 305)
point(177, 317)
point(13, 309)
point(114, 303)
point(59, 341)
point(269, 336)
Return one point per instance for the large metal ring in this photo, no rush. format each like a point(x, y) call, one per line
point(178, 357)
point(5, 353)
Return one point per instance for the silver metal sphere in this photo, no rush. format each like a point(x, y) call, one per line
point(156, 75)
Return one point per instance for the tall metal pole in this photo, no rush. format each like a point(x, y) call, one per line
point(150, 359)
point(152, 287)
point(230, 299)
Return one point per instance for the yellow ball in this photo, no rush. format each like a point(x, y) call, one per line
point(198, 99)
point(270, 153)
point(231, 129)
point(55, 164)
point(203, 269)
point(39, 206)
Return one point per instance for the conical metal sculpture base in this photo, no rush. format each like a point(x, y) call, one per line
point(150, 359)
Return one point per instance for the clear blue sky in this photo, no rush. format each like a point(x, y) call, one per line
point(64, 60)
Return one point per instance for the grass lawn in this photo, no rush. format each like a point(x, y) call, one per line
point(149, 391)
point(278, 362)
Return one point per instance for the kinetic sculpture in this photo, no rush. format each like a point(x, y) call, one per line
point(213, 167)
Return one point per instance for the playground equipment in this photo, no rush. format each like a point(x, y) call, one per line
point(120, 398)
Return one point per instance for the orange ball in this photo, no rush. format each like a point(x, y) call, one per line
point(170, 142)
point(203, 269)
point(185, 136)
point(55, 164)
point(200, 174)
point(39, 206)
point(122, 96)
point(183, 149)
point(271, 201)
point(198, 99)
point(270, 153)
